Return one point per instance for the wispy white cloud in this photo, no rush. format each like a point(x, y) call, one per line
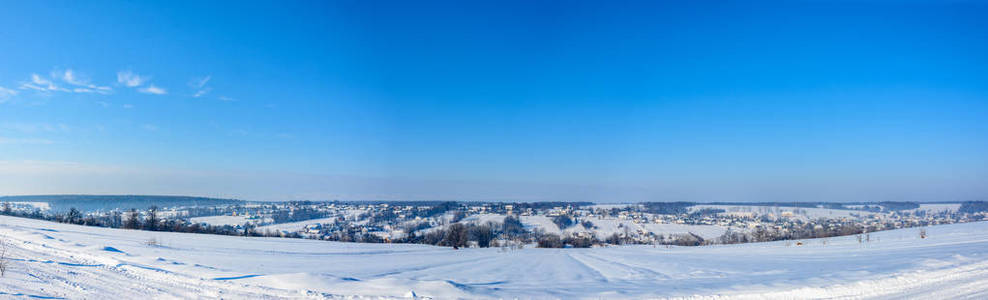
point(200, 82)
point(37, 79)
point(31, 86)
point(77, 83)
point(150, 127)
point(199, 85)
point(130, 79)
point(227, 99)
point(42, 84)
point(128, 106)
point(201, 92)
point(152, 89)
point(71, 81)
point(6, 94)
point(73, 78)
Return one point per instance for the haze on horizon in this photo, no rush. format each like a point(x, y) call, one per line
point(518, 101)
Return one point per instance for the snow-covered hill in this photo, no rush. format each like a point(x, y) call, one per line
point(50, 260)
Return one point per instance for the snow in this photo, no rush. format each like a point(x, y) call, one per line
point(606, 226)
point(804, 212)
point(221, 220)
point(609, 226)
point(543, 222)
point(76, 262)
point(484, 219)
point(295, 226)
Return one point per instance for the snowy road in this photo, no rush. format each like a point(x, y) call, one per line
point(50, 260)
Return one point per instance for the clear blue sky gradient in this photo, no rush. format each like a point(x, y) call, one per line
point(501, 100)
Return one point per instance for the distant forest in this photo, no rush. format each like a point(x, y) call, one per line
point(63, 203)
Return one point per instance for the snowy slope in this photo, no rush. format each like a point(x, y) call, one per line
point(221, 220)
point(76, 262)
point(295, 226)
point(609, 226)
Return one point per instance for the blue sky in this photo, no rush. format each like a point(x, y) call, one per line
point(501, 100)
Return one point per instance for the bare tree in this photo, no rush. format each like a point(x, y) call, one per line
point(4, 262)
point(456, 235)
point(133, 220)
point(73, 216)
point(483, 234)
point(152, 219)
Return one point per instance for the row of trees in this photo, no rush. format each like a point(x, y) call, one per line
point(131, 219)
point(457, 235)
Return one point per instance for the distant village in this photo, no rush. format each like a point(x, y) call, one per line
point(539, 224)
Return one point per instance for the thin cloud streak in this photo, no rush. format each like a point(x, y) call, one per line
point(152, 89)
point(71, 77)
point(42, 84)
point(47, 85)
point(199, 85)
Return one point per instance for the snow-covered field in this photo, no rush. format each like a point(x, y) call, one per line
point(50, 260)
point(295, 226)
point(608, 226)
point(221, 220)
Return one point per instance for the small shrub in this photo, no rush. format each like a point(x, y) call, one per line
point(578, 242)
point(588, 225)
point(550, 241)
